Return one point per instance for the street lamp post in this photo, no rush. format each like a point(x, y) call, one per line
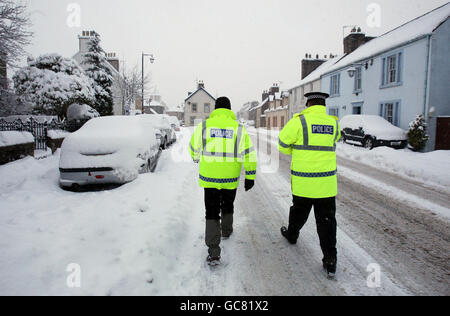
point(152, 60)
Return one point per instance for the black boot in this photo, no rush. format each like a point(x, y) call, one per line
point(330, 266)
point(213, 261)
point(285, 234)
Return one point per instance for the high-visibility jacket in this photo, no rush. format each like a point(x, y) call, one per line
point(222, 146)
point(311, 137)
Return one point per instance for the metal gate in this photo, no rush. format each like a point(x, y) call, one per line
point(443, 133)
point(37, 129)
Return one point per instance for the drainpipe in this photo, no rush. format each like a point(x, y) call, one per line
point(427, 80)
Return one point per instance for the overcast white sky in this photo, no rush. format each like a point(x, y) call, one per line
point(237, 47)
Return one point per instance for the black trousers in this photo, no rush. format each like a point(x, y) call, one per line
point(325, 212)
point(218, 202)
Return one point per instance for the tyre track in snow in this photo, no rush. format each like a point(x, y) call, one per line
point(410, 244)
point(427, 192)
point(295, 270)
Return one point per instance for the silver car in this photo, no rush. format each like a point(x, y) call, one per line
point(108, 150)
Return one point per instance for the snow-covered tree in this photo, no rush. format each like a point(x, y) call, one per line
point(98, 70)
point(50, 83)
point(417, 134)
point(14, 36)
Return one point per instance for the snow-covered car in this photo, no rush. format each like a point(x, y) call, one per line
point(372, 131)
point(111, 150)
point(161, 122)
point(175, 123)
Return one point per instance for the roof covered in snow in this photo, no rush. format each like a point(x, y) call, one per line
point(408, 32)
point(316, 74)
point(261, 104)
point(200, 89)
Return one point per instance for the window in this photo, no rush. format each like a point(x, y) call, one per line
point(274, 122)
point(194, 107)
point(282, 122)
point(335, 82)
point(391, 72)
point(334, 111)
point(391, 112)
point(192, 120)
point(207, 107)
point(357, 108)
point(358, 76)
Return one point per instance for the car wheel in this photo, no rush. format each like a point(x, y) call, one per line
point(368, 143)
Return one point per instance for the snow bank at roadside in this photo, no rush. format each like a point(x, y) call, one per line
point(137, 239)
point(11, 138)
point(431, 168)
point(57, 134)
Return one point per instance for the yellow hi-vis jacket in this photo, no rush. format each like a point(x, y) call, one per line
point(311, 137)
point(222, 145)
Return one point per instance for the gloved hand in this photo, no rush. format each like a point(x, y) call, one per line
point(196, 161)
point(249, 184)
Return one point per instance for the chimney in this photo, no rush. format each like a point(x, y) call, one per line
point(309, 65)
point(355, 39)
point(265, 95)
point(113, 60)
point(84, 39)
point(201, 85)
point(274, 89)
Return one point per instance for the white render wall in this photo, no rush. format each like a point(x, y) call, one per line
point(410, 93)
point(200, 98)
point(297, 100)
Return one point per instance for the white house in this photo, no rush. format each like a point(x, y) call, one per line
point(398, 75)
point(113, 64)
point(198, 105)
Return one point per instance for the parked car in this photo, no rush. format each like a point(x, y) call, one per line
point(161, 122)
point(372, 131)
point(174, 123)
point(108, 150)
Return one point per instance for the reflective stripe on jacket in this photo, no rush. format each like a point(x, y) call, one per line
point(311, 137)
point(222, 145)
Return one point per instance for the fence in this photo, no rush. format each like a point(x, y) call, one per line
point(38, 129)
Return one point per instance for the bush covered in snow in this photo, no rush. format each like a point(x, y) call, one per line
point(81, 112)
point(417, 134)
point(50, 83)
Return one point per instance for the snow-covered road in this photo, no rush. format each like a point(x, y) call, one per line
point(146, 237)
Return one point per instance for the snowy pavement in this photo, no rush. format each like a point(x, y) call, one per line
point(146, 237)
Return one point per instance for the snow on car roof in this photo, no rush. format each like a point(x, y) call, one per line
point(373, 125)
point(113, 141)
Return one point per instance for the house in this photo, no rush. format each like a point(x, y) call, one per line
point(277, 112)
point(244, 112)
point(398, 75)
point(198, 105)
point(156, 104)
point(178, 112)
point(312, 69)
point(113, 64)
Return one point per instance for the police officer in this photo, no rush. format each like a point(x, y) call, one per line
point(311, 137)
point(222, 146)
